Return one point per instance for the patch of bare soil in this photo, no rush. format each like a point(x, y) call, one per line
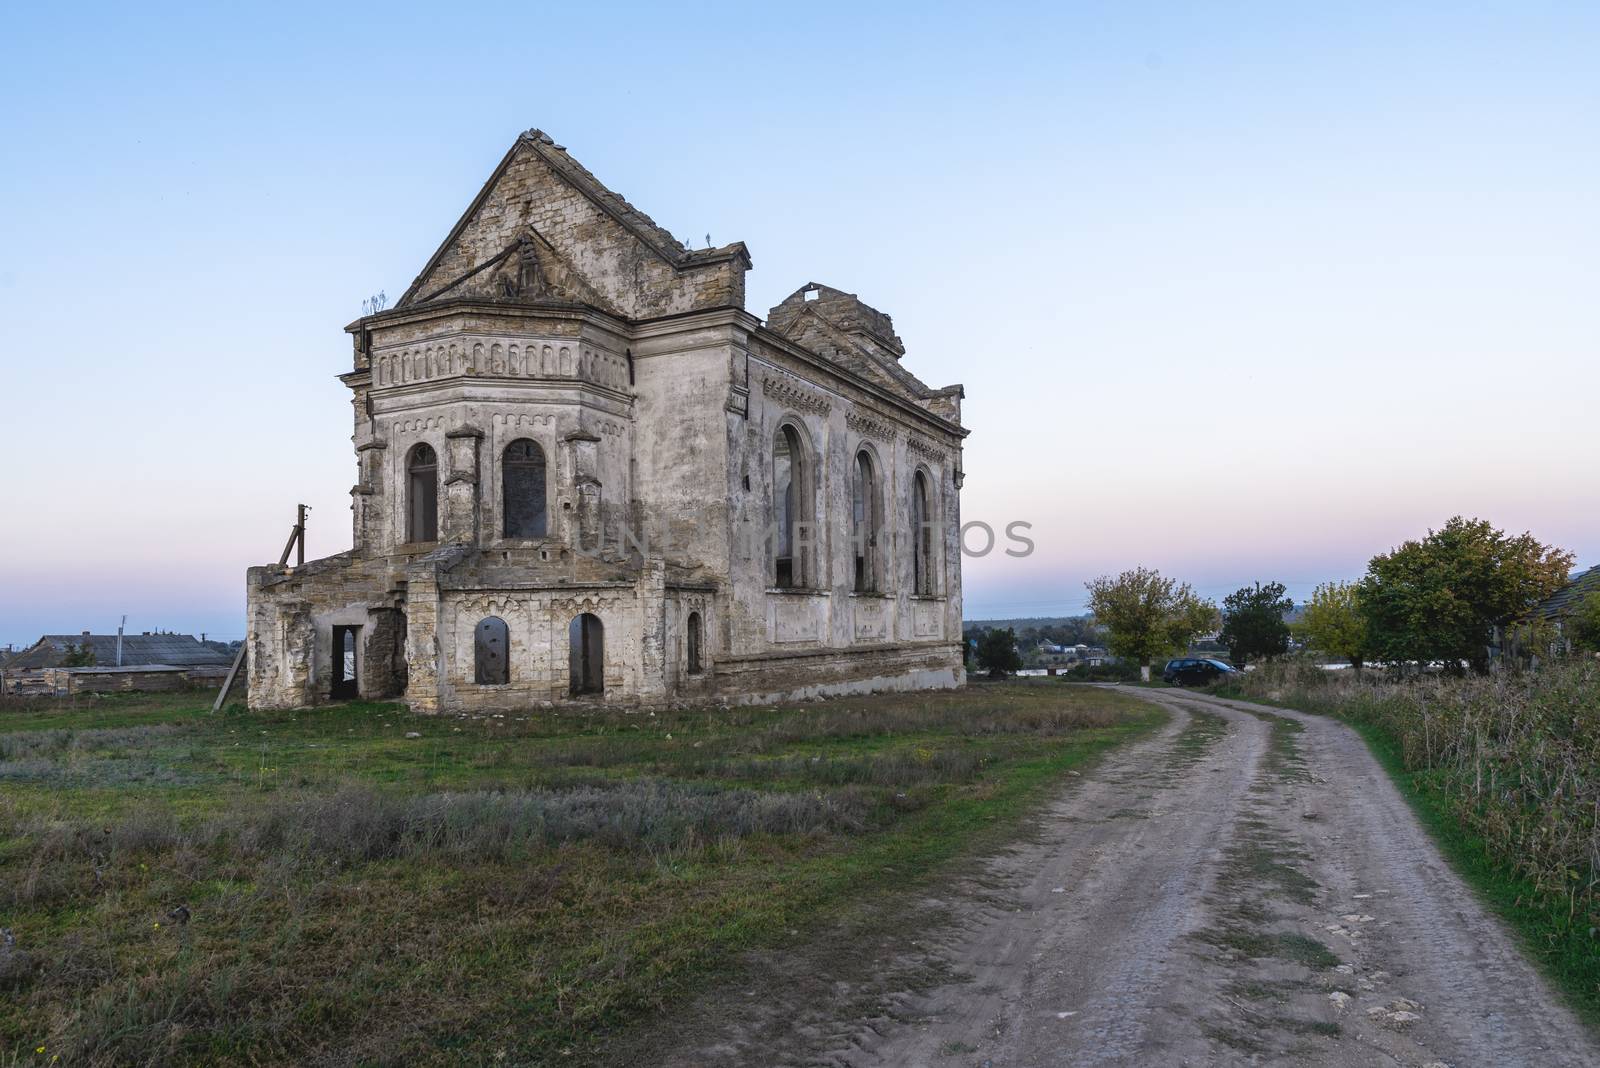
point(1246, 887)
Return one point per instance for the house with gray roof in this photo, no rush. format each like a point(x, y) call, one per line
point(76, 663)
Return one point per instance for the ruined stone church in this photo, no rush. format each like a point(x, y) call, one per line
point(585, 473)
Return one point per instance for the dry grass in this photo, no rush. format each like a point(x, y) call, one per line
point(319, 888)
point(1509, 764)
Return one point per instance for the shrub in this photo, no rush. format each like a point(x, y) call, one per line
point(1517, 754)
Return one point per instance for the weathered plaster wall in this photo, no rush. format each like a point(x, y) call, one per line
point(559, 314)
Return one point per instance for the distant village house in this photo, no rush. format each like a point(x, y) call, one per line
point(65, 664)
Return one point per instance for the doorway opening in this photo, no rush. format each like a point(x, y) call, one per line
point(345, 687)
point(586, 638)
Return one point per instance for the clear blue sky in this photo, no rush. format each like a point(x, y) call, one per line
point(1240, 291)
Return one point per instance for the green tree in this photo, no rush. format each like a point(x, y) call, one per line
point(78, 656)
point(1583, 625)
point(997, 652)
point(1439, 598)
point(1148, 616)
point(1333, 622)
point(1252, 622)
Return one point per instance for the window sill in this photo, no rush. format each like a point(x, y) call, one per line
point(798, 591)
point(928, 597)
point(872, 595)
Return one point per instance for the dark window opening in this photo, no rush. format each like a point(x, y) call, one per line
point(491, 653)
point(693, 641)
point(790, 509)
point(523, 490)
point(921, 537)
point(422, 495)
point(586, 655)
point(864, 522)
point(344, 687)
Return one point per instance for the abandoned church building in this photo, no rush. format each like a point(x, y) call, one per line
point(585, 473)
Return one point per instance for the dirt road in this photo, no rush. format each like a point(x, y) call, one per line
point(1246, 887)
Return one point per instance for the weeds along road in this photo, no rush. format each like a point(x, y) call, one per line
point(1246, 887)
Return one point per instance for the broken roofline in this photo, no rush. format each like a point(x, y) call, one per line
point(654, 237)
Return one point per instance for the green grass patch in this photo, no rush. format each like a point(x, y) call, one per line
point(519, 888)
point(1254, 944)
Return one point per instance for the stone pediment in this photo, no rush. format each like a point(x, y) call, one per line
point(542, 222)
point(528, 270)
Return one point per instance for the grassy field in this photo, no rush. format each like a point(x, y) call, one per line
point(1504, 772)
point(355, 885)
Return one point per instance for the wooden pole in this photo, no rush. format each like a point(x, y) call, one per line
point(233, 673)
point(297, 545)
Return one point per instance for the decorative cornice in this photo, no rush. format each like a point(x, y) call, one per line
point(869, 427)
point(926, 448)
point(790, 392)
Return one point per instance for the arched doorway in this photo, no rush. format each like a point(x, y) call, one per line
point(345, 687)
point(586, 640)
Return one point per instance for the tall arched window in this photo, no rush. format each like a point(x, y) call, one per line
point(491, 654)
point(864, 522)
point(522, 485)
point(692, 639)
point(586, 654)
point(921, 536)
point(791, 509)
point(422, 494)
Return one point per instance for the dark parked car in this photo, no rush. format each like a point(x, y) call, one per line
point(1196, 672)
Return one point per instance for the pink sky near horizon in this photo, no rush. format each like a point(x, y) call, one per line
point(1244, 294)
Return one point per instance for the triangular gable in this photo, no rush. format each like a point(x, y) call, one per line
point(528, 269)
point(586, 240)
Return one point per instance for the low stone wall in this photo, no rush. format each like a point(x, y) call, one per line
point(773, 677)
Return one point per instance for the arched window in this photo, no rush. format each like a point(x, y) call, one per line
point(791, 509)
point(491, 654)
point(921, 536)
point(422, 494)
point(864, 522)
point(523, 490)
point(586, 658)
point(693, 641)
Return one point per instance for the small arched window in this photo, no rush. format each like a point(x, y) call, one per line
point(422, 494)
point(921, 536)
point(791, 509)
point(864, 522)
point(522, 483)
point(491, 655)
point(692, 639)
